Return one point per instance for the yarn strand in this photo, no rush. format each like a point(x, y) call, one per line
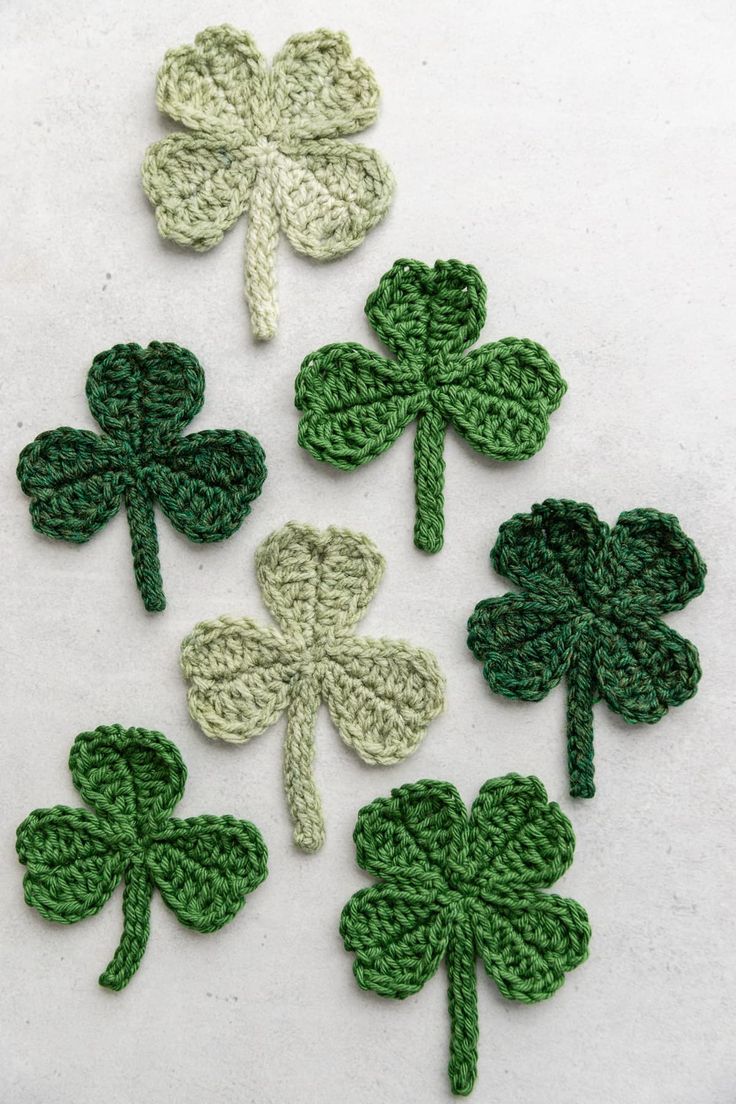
point(462, 996)
point(581, 697)
point(302, 797)
point(260, 262)
point(144, 545)
point(429, 481)
point(136, 927)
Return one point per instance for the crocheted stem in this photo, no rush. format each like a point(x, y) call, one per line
point(144, 542)
point(260, 261)
point(462, 996)
point(429, 481)
point(136, 926)
point(301, 792)
point(581, 696)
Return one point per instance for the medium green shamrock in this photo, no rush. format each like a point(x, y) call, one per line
point(142, 399)
point(499, 397)
point(590, 610)
point(204, 867)
point(267, 141)
point(455, 887)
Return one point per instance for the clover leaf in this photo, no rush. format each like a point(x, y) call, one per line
point(589, 610)
point(453, 887)
point(204, 866)
point(381, 694)
point(142, 399)
point(499, 397)
point(267, 142)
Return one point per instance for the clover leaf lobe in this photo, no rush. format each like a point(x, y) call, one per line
point(205, 866)
point(72, 864)
point(128, 775)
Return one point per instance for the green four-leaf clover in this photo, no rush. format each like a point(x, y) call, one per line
point(589, 611)
point(142, 399)
point(453, 887)
point(204, 867)
point(499, 397)
point(268, 141)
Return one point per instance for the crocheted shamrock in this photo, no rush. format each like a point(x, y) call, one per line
point(381, 694)
point(589, 610)
point(142, 399)
point(204, 867)
point(455, 887)
point(267, 141)
point(498, 397)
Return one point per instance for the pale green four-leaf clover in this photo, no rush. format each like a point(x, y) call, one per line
point(267, 141)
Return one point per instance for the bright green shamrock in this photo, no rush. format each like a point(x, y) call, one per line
point(204, 867)
point(142, 399)
point(499, 397)
point(269, 142)
point(455, 887)
point(589, 610)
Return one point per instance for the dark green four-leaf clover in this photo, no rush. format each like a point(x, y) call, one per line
point(589, 610)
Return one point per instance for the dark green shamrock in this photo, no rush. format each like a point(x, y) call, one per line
point(204, 867)
point(142, 399)
point(499, 397)
point(590, 610)
point(455, 887)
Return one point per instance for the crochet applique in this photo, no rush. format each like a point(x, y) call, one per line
point(499, 397)
point(267, 142)
point(204, 867)
point(453, 887)
point(142, 399)
point(381, 694)
point(589, 609)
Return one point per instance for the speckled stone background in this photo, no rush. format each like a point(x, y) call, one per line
point(582, 156)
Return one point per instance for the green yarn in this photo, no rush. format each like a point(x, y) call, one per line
point(381, 694)
point(267, 142)
point(204, 867)
point(452, 886)
point(499, 397)
point(142, 399)
point(590, 610)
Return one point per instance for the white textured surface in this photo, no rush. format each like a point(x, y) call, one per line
point(582, 156)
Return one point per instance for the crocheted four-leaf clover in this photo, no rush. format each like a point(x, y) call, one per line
point(455, 887)
point(267, 141)
point(142, 399)
point(381, 694)
point(499, 397)
point(590, 610)
point(203, 867)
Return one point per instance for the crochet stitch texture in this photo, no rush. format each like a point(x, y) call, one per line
point(142, 399)
point(203, 867)
point(269, 142)
point(452, 886)
point(499, 397)
point(589, 609)
point(381, 694)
